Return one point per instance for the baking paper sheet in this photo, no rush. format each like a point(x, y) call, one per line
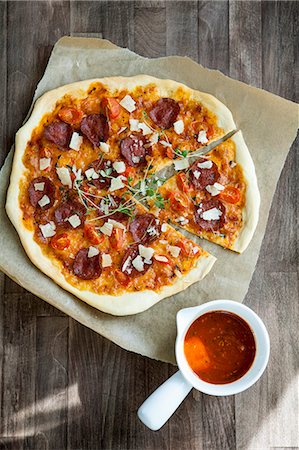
point(269, 124)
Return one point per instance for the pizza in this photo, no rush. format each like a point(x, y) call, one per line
point(90, 205)
point(212, 198)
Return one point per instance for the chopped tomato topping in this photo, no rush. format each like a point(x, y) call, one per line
point(113, 107)
point(129, 172)
point(60, 241)
point(178, 201)
point(186, 247)
point(230, 194)
point(210, 131)
point(122, 278)
point(182, 182)
point(170, 152)
point(117, 238)
point(45, 152)
point(196, 125)
point(71, 116)
point(91, 234)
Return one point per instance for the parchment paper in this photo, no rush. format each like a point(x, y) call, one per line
point(269, 124)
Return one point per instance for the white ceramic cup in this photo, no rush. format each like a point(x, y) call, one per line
point(163, 402)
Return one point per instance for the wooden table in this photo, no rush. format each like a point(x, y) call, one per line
point(64, 386)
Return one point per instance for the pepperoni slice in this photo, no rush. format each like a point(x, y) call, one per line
point(210, 225)
point(87, 268)
point(145, 228)
point(68, 209)
point(102, 164)
point(114, 203)
point(133, 150)
point(164, 112)
point(126, 265)
point(36, 195)
point(59, 133)
point(95, 128)
point(202, 177)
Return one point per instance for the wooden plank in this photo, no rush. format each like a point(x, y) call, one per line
point(279, 51)
point(245, 43)
point(150, 29)
point(51, 399)
point(3, 152)
point(18, 390)
point(3, 77)
point(35, 305)
point(105, 19)
point(182, 16)
point(112, 383)
point(280, 58)
point(280, 250)
point(213, 47)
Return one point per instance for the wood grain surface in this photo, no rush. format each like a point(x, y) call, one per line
point(62, 385)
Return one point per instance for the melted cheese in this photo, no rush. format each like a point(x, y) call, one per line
point(116, 224)
point(44, 163)
point(174, 250)
point(107, 228)
point(211, 214)
point(76, 141)
point(146, 252)
point(134, 123)
point(119, 166)
point(44, 201)
point(39, 186)
point(74, 220)
point(117, 183)
point(104, 147)
point(128, 103)
point(205, 165)
point(64, 176)
point(181, 164)
point(138, 264)
point(91, 174)
point(202, 137)
point(106, 260)
point(214, 189)
point(144, 128)
point(48, 230)
point(92, 251)
point(178, 126)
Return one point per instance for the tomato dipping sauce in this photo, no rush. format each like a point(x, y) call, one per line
point(219, 347)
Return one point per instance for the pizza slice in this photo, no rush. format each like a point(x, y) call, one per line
point(216, 197)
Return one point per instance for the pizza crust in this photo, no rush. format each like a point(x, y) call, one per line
point(128, 303)
point(250, 212)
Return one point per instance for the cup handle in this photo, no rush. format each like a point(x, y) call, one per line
point(163, 402)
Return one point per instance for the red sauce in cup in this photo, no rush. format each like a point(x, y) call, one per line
point(219, 347)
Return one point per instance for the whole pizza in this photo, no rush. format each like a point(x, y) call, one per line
point(93, 207)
